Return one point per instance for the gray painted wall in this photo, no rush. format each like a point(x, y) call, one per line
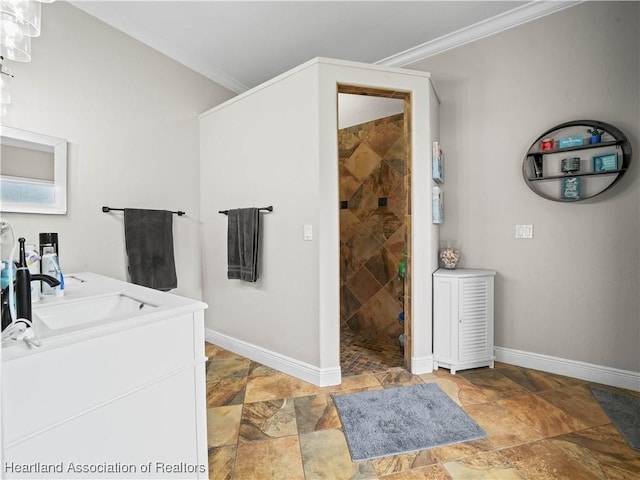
point(573, 290)
point(277, 144)
point(130, 115)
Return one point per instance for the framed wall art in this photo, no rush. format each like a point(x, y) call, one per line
point(605, 163)
point(571, 187)
point(437, 163)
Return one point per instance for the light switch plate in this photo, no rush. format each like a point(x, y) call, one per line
point(308, 232)
point(524, 231)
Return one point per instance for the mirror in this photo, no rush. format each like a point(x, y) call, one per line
point(33, 172)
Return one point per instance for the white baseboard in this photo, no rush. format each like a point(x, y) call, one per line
point(332, 376)
point(322, 377)
point(422, 364)
point(570, 368)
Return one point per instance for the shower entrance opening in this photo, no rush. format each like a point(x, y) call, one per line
point(375, 228)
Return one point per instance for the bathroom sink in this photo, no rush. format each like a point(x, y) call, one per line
point(89, 310)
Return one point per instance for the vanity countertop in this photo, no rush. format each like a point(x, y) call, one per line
point(87, 296)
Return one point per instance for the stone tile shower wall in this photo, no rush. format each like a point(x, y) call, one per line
point(373, 211)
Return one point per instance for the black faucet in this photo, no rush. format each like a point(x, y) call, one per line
point(6, 313)
point(22, 290)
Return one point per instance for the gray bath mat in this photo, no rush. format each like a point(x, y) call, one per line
point(624, 412)
point(402, 420)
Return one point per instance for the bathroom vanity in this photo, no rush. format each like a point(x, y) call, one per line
point(116, 389)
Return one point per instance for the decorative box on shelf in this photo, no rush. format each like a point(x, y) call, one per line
point(546, 144)
point(573, 141)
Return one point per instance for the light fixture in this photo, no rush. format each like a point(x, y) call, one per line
point(23, 13)
point(19, 22)
point(14, 44)
point(5, 93)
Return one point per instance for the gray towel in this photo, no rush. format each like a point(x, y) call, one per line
point(243, 239)
point(149, 243)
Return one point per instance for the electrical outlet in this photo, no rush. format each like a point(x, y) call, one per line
point(524, 231)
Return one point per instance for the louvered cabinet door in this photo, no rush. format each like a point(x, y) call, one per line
point(463, 318)
point(475, 322)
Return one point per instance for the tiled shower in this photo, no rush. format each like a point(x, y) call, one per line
point(373, 178)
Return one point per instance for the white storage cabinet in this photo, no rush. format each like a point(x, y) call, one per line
point(463, 319)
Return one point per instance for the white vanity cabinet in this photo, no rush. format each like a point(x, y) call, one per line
point(463, 318)
point(121, 400)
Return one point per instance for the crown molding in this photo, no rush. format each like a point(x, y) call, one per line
point(518, 16)
point(218, 76)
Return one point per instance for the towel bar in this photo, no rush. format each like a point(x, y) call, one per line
point(108, 209)
point(268, 209)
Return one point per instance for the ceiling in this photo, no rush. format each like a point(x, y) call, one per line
point(240, 44)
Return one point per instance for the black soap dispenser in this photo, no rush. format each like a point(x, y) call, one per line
point(23, 286)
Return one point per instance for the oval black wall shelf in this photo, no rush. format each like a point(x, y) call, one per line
point(588, 168)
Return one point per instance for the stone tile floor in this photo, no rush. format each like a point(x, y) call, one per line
point(359, 354)
point(266, 425)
